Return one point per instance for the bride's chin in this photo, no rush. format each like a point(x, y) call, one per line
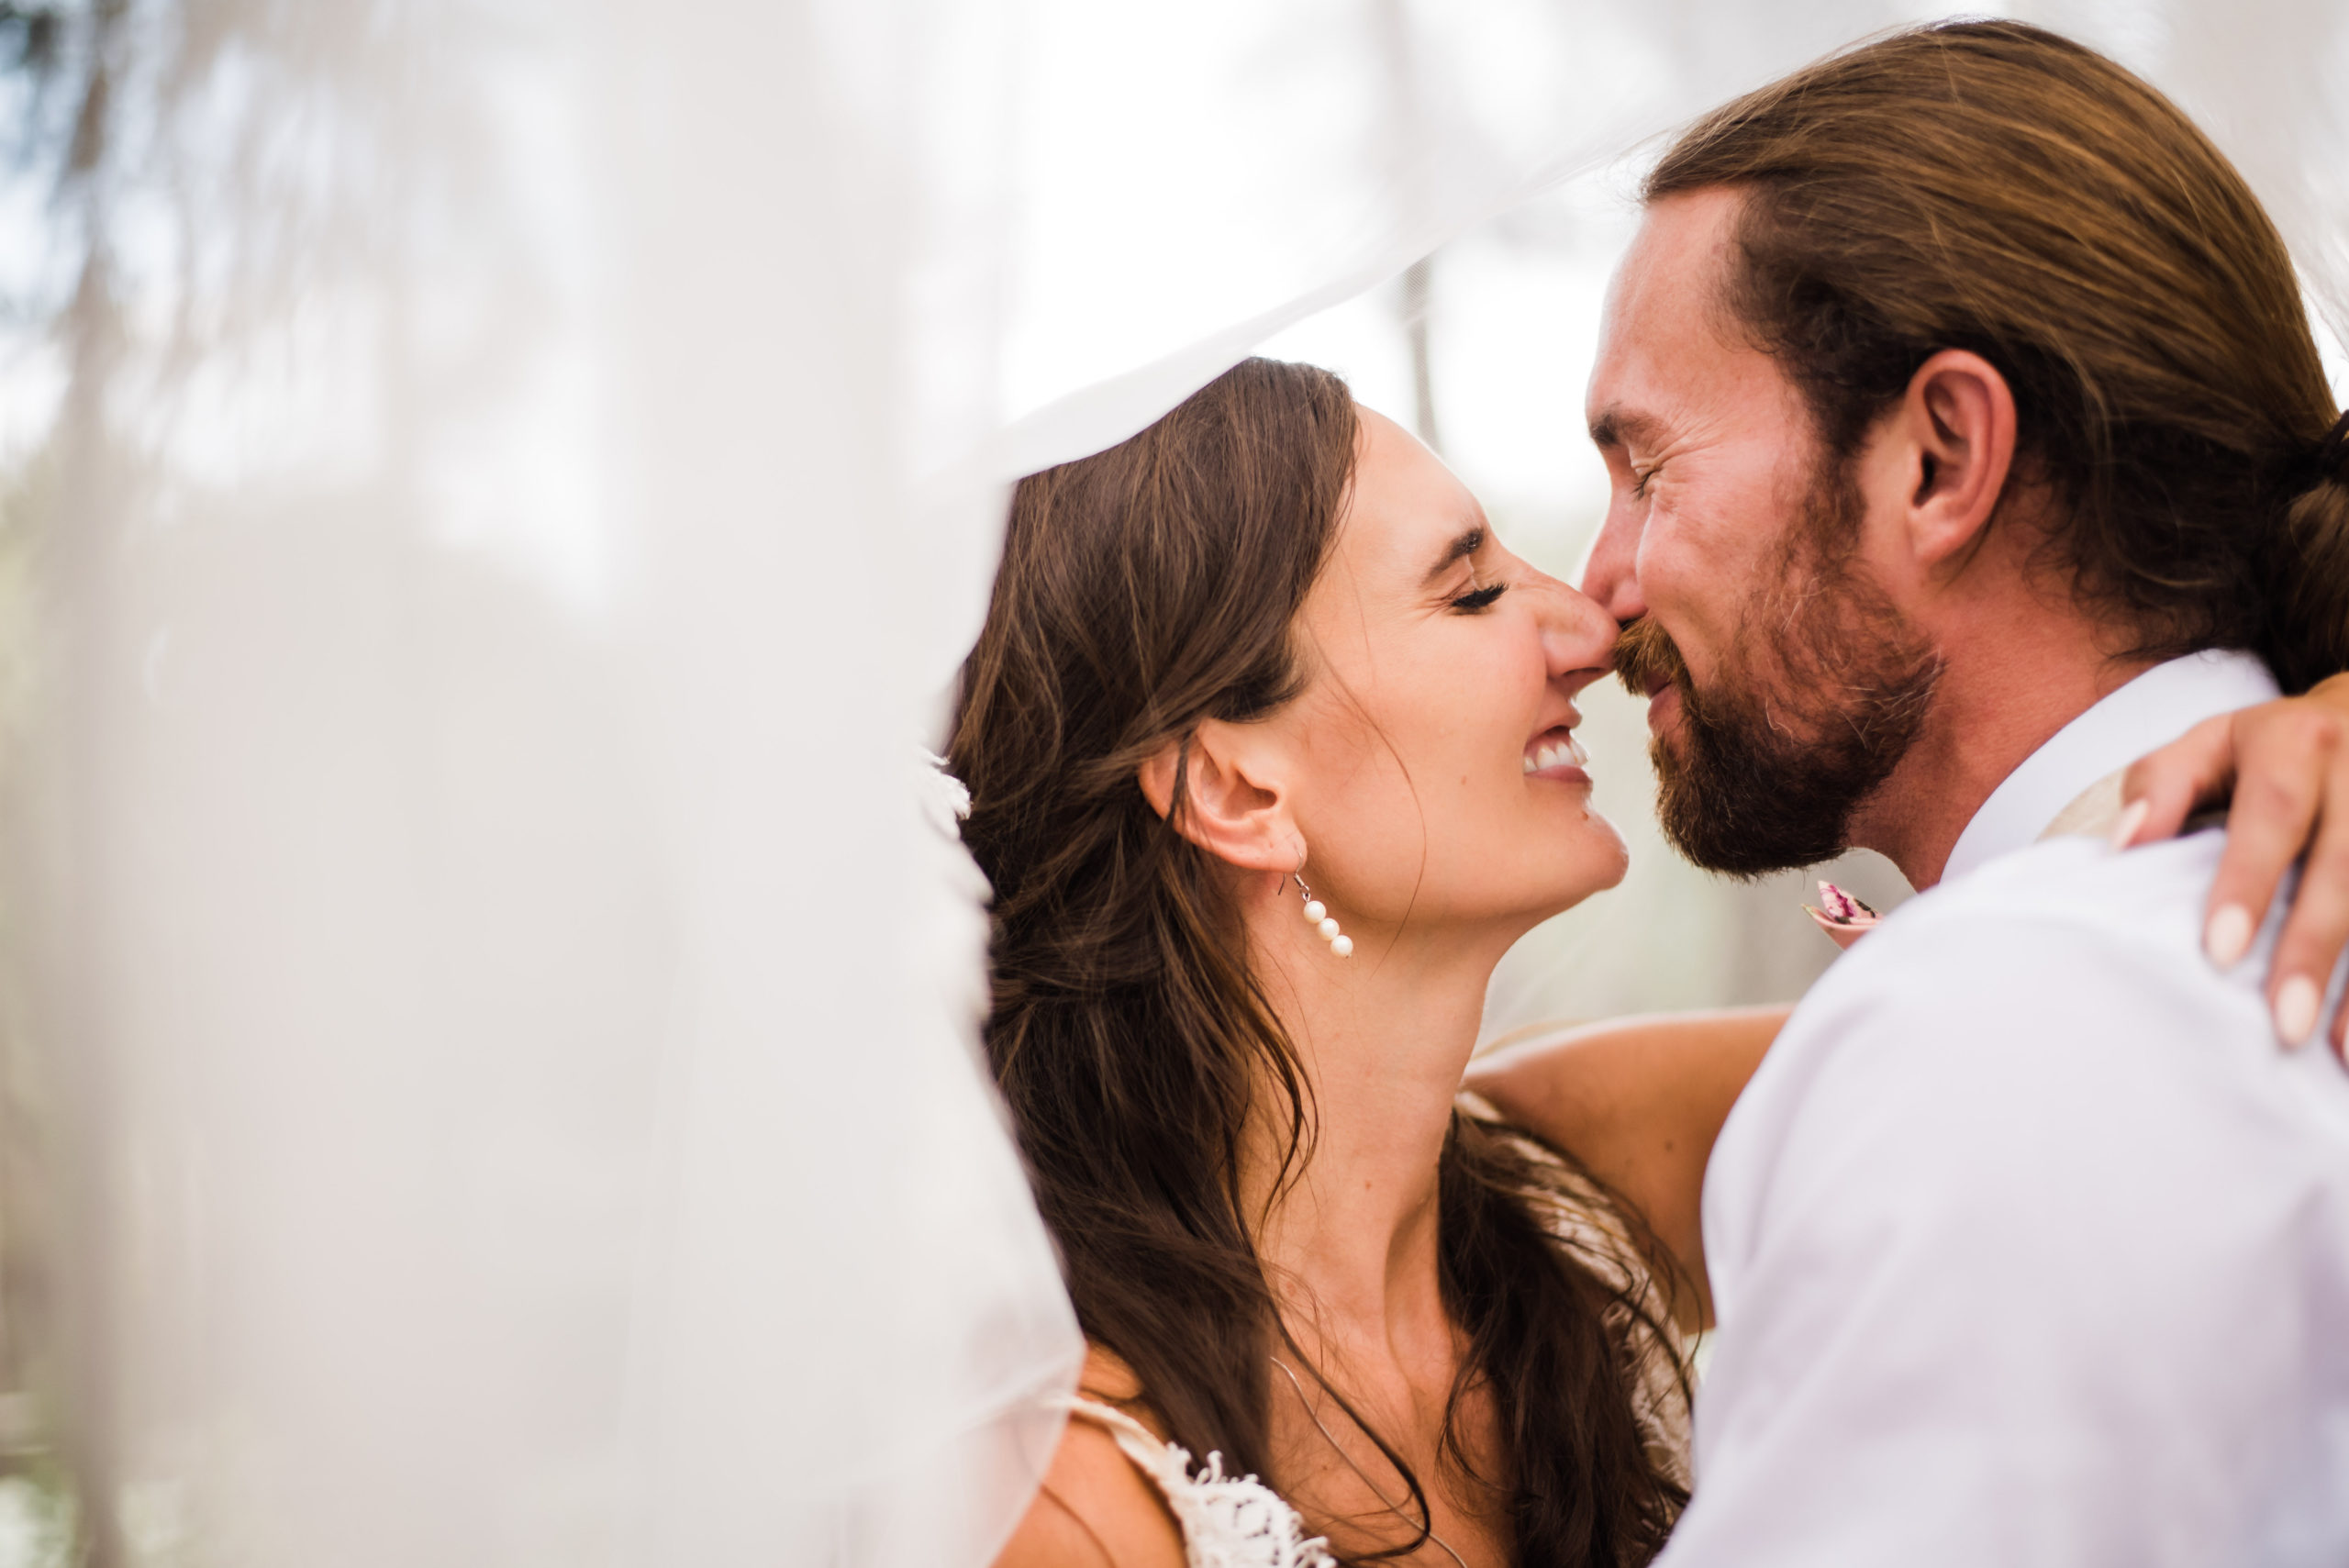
point(1587, 856)
point(1600, 866)
point(1604, 858)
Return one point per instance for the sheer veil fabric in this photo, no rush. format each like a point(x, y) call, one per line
point(500, 982)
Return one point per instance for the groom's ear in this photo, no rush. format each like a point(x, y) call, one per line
point(1953, 448)
point(1231, 803)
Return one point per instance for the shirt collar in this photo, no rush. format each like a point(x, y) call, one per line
point(2149, 712)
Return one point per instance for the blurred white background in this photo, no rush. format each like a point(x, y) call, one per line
point(495, 491)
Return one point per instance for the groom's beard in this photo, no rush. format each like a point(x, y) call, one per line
point(1777, 754)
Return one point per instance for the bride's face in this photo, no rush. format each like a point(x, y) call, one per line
point(1435, 776)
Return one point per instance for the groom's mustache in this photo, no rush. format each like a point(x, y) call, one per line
point(1647, 660)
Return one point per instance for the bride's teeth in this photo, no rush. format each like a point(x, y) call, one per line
point(1556, 753)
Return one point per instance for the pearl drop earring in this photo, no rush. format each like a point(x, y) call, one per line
point(1317, 915)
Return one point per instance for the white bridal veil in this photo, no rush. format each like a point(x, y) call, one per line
point(496, 495)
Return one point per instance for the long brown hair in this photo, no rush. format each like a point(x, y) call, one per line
point(1992, 186)
point(1143, 591)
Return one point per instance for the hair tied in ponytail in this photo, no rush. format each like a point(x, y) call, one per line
point(2331, 459)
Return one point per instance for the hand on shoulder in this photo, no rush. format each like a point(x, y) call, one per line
point(2282, 770)
point(1095, 1509)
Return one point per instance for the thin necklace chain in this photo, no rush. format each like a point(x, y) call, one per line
point(1392, 1506)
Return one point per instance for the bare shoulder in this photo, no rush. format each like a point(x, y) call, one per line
point(1096, 1510)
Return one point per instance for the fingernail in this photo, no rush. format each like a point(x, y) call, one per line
point(2228, 937)
point(2296, 1007)
point(2131, 821)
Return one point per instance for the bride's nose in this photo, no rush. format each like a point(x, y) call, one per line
point(1575, 633)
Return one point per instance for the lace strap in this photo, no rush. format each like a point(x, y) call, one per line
point(1167, 1466)
point(1108, 1416)
point(1227, 1522)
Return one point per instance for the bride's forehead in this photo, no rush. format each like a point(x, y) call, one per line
point(1403, 500)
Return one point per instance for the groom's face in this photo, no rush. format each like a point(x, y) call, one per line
point(1784, 684)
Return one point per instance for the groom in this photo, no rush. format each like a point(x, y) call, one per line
point(1968, 441)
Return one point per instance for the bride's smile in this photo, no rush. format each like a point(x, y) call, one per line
point(1556, 754)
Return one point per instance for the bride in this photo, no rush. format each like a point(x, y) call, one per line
point(1270, 745)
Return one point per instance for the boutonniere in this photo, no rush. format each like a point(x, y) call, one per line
point(1845, 919)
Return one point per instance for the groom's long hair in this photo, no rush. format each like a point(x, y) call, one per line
point(1991, 186)
point(1142, 591)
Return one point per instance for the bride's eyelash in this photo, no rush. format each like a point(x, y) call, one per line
point(1479, 598)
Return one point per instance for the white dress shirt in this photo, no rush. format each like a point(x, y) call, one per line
point(2029, 1245)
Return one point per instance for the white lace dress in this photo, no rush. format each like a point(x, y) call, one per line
point(1227, 1521)
point(1230, 1523)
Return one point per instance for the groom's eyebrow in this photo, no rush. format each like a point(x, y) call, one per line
point(1467, 544)
point(1622, 426)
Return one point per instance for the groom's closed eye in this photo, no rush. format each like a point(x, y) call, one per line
point(1621, 432)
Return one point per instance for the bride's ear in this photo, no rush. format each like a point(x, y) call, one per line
point(1233, 804)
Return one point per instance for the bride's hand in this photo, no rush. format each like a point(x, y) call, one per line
point(2285, 764)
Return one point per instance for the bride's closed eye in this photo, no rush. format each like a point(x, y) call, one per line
point(1479, 598)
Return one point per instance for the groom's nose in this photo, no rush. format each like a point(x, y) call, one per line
point(1611, 576)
